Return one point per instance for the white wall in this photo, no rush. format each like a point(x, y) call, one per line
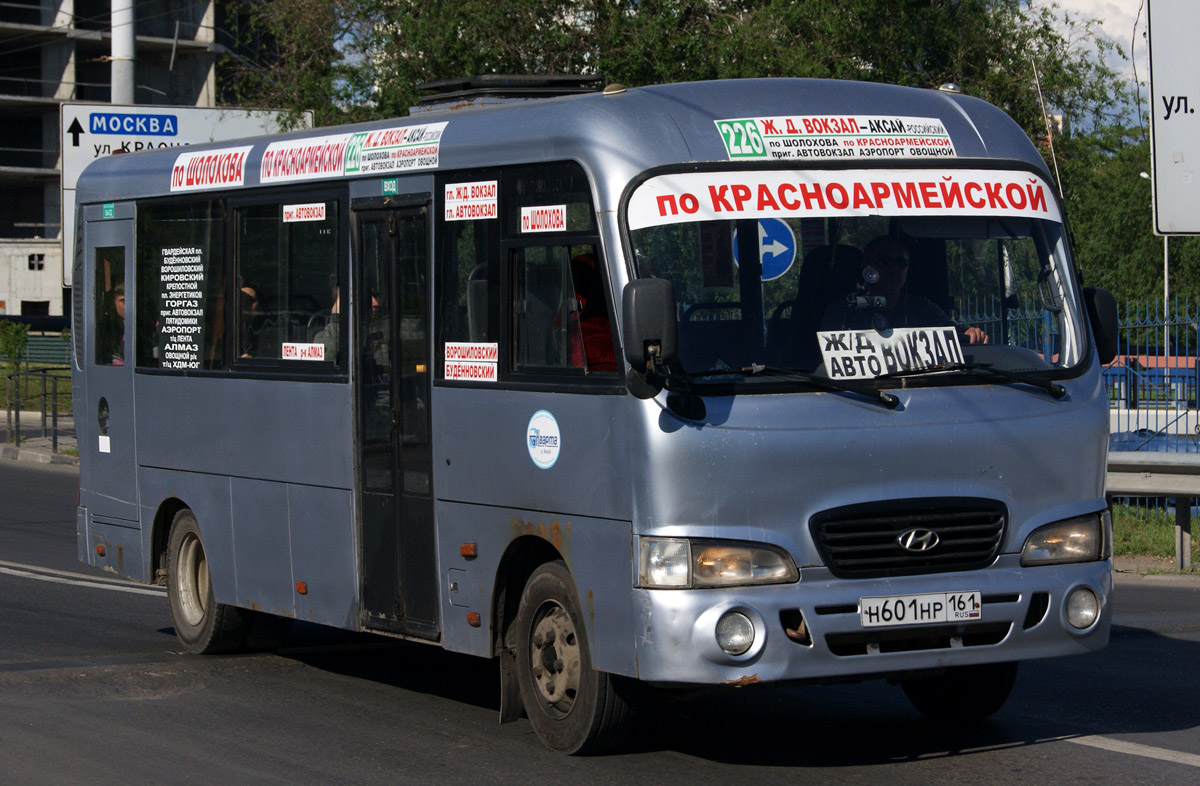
point(18, 282)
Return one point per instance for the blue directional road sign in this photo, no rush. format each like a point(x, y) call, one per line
point(776, 247)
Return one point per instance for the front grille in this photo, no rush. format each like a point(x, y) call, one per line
point(863, 541)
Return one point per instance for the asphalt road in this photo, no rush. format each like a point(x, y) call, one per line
point(92, 691)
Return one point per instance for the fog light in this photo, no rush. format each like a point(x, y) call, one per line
point(735, 632)
point(1083, 607)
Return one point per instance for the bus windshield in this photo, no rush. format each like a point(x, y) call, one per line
point(860, 274)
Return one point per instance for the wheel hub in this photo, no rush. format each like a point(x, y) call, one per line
point(554, 652)
point(192, 580)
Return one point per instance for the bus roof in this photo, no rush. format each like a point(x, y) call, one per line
point(619, 133)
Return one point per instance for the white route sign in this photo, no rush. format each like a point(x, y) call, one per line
point(1174, 27)
point(91, 131)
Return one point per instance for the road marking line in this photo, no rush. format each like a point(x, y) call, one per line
point(68, 574)
point(76, 579)
point(1137, 749)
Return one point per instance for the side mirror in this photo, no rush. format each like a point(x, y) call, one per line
point(1102, 313)
point(649, 331)
point(648, 322)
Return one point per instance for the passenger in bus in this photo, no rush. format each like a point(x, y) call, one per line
point(247, 336)
point(115, 329)
point(889, 259)
point(329, 334)
point(591, 343)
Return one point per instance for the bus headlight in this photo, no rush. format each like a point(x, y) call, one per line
point(664, 563)
point(1074, 540)
point(678, 562)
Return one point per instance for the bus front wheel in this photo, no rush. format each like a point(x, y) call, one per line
point(572, 707)
point(962, 693)
point(201, 624)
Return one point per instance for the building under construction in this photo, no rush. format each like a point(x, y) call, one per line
point(154, 52)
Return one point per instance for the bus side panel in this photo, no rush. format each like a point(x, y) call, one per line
point(114, 546)
point(481, 452)
point(323, 555)
point(597, 552)
point(266, 429)
point(208, 497)
point(259, 512)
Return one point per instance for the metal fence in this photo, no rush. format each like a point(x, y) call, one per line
point(1154, 382)
point(44, 392)
point(1153, 389)
point(1021, 323)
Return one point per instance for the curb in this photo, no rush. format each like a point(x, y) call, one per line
point(37, 456)
point(1128, 577)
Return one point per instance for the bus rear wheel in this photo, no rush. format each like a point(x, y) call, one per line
point(962, 693)
point(572, 707)
point(201, 624)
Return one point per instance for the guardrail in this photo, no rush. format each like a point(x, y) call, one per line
point(1135, 474)
point(45, 394)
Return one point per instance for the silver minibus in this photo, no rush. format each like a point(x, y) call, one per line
point(694, 385)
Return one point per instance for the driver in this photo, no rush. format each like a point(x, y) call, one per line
point(888, 258)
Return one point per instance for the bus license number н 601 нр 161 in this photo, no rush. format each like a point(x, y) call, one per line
point(920, 609)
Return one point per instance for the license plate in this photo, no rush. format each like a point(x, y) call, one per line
point(920, 609)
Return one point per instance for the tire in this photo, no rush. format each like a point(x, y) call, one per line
point(962, 693)
point(202, 625)
point(572, 707)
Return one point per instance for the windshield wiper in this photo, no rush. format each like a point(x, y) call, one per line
point(889, 400)
point(986, 370)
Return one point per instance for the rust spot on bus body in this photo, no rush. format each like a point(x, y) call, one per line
point(740, 682)
point(554, 534)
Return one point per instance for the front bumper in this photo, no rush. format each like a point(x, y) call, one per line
point(1023, 617)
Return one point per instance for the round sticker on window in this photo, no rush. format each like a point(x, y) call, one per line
point(543, 439)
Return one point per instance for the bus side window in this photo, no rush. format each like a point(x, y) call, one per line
point(288, 290)
point(560, 311)
point(544, 308)
point(464, 290)
point(180, 313)
point(559, 318)
point(110, 306)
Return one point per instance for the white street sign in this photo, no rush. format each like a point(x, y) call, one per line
point(1175, 124)
point(91, 131)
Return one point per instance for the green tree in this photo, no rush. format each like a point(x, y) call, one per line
point(287, 56)
point(349, 60)
point(13, 336)
point(359, 59)
point(1109, 204)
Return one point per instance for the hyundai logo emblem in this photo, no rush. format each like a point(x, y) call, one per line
point(918, 540)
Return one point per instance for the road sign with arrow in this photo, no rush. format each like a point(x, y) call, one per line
point(91, 131)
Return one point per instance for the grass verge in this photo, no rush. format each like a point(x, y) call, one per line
point(1147, 530)
point(29, 387)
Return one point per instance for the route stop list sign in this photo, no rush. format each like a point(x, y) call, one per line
point(91, 131)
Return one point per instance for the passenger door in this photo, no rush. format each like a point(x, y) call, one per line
point(395, 460)
point(105, 418)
